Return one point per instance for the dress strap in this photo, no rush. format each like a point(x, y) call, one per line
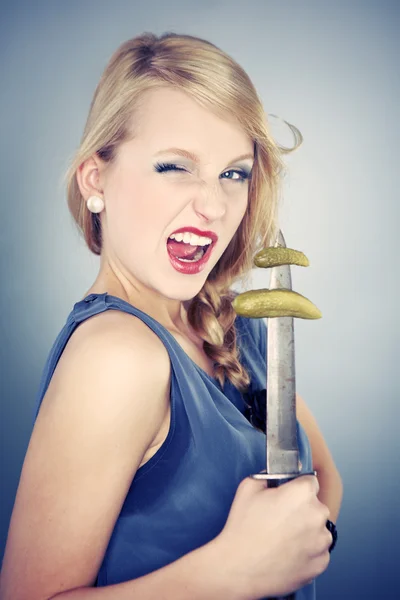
point(89, 306)
point(98, 303)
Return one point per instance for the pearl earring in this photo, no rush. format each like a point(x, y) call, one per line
point(95, 204)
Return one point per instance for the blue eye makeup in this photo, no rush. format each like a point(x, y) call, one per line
point(163, 167)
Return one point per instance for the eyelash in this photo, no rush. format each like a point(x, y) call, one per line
point(162, 167)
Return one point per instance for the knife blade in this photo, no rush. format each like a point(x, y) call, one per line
point(282, 450)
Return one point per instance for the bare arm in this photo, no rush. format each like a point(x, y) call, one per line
point(102, 411)
point(104, 406)
point(193, 576)
point(330, 482)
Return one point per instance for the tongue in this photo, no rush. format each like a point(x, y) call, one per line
point(181, 250)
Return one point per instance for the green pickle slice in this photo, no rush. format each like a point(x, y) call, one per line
point(278, 302)
point(275, 256)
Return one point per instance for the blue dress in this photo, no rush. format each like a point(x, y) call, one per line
point(180, 499)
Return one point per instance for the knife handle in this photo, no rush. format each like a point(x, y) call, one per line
point(273, 483)
point(275, 480)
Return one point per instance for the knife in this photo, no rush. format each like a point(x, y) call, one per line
point(282, 450)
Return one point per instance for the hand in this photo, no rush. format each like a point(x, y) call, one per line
point(275, 540)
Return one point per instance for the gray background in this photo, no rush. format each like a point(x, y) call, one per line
point(331, 68)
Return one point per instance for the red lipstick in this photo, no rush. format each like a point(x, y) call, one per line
point(188, 268)
point(191, 268)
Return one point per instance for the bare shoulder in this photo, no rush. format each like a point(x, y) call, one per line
point(122, 330)
point(105, 403)
point(113, 357)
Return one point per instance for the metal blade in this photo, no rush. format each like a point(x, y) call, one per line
point(281, 430)
point(281, 426)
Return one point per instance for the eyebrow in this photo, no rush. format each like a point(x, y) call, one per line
point(195, 158)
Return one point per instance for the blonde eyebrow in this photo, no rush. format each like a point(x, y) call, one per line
point(194, 157)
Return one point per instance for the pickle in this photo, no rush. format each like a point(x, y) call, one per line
point(278, 302)
point(274, 256)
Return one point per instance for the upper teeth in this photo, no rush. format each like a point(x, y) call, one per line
point(191, 238)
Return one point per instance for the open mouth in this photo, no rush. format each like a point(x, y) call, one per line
point(200, 252)
point(186, 253)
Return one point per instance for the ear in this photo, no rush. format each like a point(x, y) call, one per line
point(89, 176)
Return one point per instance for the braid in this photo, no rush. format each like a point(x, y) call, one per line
point(212, 316)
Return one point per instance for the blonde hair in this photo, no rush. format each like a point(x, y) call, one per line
point(217, 82)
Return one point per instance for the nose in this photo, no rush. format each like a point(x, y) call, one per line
point(209, 201)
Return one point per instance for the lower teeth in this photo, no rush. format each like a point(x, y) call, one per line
point(195, 258)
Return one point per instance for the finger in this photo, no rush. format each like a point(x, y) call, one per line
point(309, 482)
point(313, 479)
point(253, 484)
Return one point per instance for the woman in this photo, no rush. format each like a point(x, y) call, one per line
point(136, 479)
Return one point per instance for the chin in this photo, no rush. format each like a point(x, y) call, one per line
point(181, 292)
